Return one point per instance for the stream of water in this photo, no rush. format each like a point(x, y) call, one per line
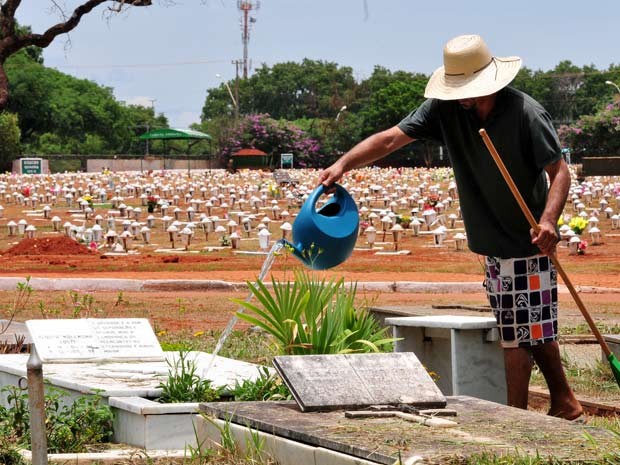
point(267, 264)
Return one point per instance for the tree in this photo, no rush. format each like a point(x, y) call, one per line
point(9, 140)
point(273, 137)
point(13, 39)
point(82, 116)
point(310, 89)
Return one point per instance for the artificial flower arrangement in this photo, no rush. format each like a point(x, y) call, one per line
point(151, 203)
point(431, 201)
point(581, 248)
point(578, 224)
point(89, 199)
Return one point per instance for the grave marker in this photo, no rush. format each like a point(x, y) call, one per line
point(328, 382)
point(95, 339)
point(80, 340)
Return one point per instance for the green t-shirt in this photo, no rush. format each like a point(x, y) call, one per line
point(524, 136)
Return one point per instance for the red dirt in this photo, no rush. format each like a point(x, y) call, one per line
point(57, 245)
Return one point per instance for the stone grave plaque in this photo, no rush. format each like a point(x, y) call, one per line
point(95, 339)
point(328, 382)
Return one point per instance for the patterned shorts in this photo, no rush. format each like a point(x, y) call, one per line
point(524, 297)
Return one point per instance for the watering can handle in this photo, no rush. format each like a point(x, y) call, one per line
point(320, 190)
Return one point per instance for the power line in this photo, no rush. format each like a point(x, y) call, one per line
point(128, 65)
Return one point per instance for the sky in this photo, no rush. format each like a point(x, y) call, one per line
point(169, 54)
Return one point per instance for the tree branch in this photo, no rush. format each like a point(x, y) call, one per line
point(43, 40)
point(7, 17)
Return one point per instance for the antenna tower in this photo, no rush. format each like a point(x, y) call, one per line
point(246, 6)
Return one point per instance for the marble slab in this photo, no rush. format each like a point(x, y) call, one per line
point(324, 382)
point(125, 379)
point(94, 339)
point(444, 321)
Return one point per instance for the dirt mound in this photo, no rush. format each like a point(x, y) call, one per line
point(58, 245)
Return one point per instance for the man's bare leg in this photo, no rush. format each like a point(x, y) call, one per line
point(564, 404)
point(518, 364)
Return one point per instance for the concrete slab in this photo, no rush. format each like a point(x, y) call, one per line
point(483, 426)
point(280, 450)
point(112, 457)
point(445, 321)
point(124, 379)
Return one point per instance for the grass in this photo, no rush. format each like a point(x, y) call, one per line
point(247, 345)
point(583, 328)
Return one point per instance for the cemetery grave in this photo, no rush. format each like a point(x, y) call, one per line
point(331, 432)
point(120, 360)
point(220, 226)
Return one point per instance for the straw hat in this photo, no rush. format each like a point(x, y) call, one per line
point(470, 70)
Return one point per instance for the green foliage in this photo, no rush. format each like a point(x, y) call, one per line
point(267, 386)
point(9, 140)
point(315, 89)
point(60, 114)
point(184, 384)
point(311, 316)
point(70, 427)
point(389, 98)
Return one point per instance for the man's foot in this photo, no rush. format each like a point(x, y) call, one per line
point(569, 412)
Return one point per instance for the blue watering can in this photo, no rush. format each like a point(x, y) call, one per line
point(325, 237)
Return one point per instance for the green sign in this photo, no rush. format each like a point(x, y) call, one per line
point(31, 165)
point(286, 160)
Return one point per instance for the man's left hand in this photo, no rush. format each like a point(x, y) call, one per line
point(545, 238)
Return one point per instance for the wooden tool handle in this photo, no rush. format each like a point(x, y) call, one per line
point(534, 225)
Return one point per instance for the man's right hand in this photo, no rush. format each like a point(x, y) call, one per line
point(331, 174)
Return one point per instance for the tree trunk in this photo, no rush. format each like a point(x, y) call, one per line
point(4, 87)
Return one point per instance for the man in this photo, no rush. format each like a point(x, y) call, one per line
point(468, 93)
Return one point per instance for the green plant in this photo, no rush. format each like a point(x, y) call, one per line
point(47, 312)
point(268, 386)
point(311, 316)
point(18, 304)
point(70, 427)
point(183, 383)
point(8, 452)
point(181, 308)
point(120, 299)
point(201, 454)
point(82, 305)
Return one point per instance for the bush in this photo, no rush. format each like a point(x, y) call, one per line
point(595, 135)
point(310, 316)
point(70, 428)
point(184, 384)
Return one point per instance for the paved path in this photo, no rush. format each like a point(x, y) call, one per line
point(111, 284)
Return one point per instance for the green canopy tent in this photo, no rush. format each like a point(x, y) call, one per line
point(190, 135)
